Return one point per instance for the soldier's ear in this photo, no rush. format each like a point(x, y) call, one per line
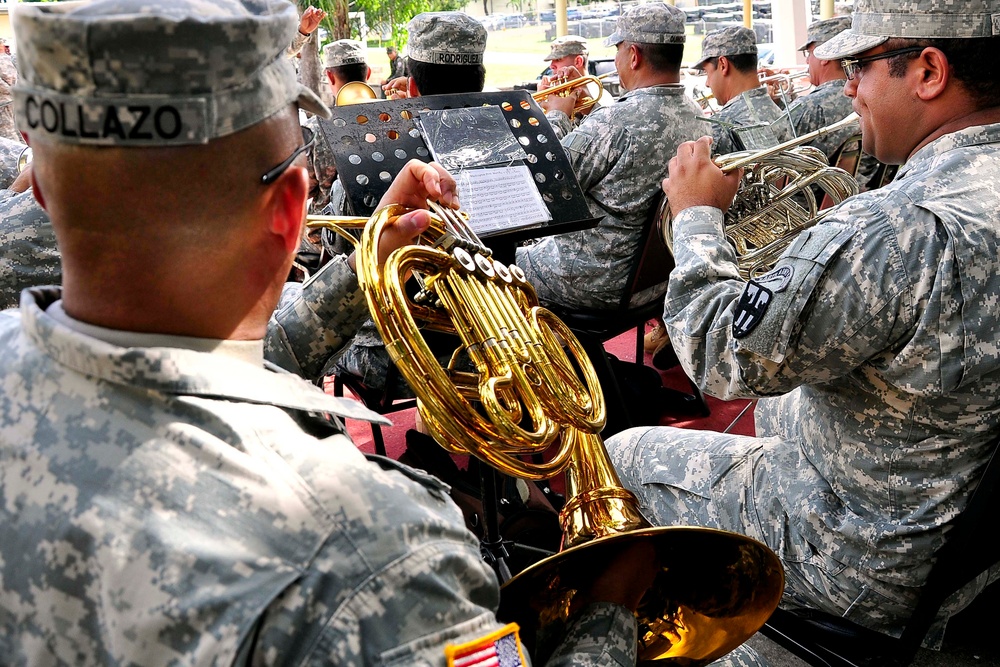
point(935, 72)
point(369, 74)
point(287, 206)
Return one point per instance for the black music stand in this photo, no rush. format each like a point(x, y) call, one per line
point(377, 138)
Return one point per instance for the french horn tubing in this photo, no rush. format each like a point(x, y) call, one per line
point(775, 201)
point(534, 391)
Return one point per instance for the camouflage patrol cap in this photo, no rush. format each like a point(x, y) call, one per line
point(732, 41)
point(654, 23)
point(875, 21)
point(165, 73)
point(823, 31)
point(344, 52)
point(567, 45)
point(446, 38)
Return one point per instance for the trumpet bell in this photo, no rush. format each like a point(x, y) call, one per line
point(355, 92)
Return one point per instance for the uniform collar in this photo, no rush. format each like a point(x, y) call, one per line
point(662, 89)
point(747, 95)
point(175, 371)
point(974, 135)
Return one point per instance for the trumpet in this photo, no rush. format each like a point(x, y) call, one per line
point(565, 88)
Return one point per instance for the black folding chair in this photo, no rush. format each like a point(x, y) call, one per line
point(593, 327)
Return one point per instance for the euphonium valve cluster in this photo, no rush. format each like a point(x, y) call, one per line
point(533, 391)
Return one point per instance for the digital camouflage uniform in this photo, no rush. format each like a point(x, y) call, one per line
point(8, 77)
point(211, 502)
point(619, 154)
point(752, 107)
point(872, 346)
point(28, 253)
point(10, 152)
point(167, 500)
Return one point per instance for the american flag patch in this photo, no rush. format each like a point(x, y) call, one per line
point(497, 649)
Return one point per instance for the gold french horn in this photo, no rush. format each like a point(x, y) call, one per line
point(775, 201)
point(534, 391)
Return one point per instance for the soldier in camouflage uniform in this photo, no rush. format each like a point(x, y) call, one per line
point(445, 56)
point(344, 61)
point(566, 51)
point(872, 343)
point(617, 155)
point(826, 103)
point(729, 60)
point(164, 498)
point(8, 77)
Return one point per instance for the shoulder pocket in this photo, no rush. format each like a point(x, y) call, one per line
point(577, 142)
point(806, 258)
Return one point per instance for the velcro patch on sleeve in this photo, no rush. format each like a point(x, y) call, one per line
point(501, 648)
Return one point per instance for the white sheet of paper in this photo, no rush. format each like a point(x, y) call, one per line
point(501, 199)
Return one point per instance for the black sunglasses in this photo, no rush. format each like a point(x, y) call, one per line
point(852, 66)
point(273, 174)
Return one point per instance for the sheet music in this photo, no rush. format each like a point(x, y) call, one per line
point(501, 199)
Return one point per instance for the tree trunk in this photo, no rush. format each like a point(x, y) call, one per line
point(341, 26)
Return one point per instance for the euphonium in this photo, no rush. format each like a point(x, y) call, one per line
point(776, 200)
point(533, 390)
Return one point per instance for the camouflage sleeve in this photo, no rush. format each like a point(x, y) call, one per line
point(603, 634)
point(297, 43)
point(595, 147)
point(315, 319)
point(722, 140)
point(322, 165)
point(835, 298)
point(28, 252)
point(561, 123)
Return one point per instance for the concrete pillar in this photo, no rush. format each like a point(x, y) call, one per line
point(748, 13)
point(561, 28)
point(790, 20)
